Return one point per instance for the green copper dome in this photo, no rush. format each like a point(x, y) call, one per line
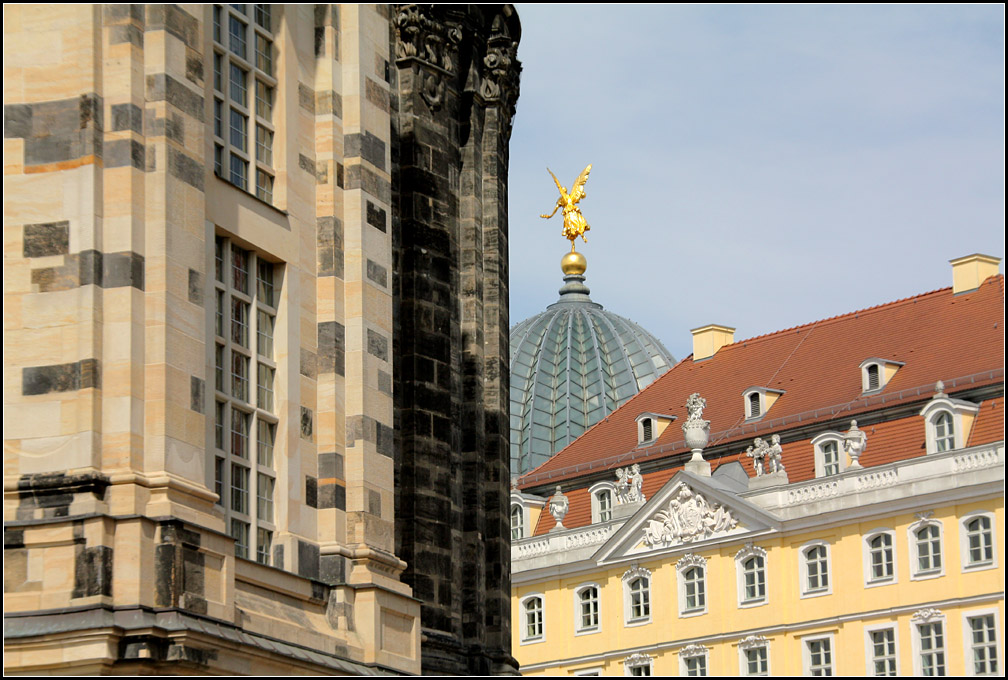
point(571, 366)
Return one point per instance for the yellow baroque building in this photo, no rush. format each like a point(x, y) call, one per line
point(824, 500)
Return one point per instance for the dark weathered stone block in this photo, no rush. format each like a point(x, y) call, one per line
point(306, 98)
point(127, 117)
point(385, 383)
point(185, 168)
point(307, 366)
point(377, 273)
point(92, 571)
point(377, 217)
point(122, 152)
point(196, 287)
point(122, 269)
point(306, 423)
point(176, 21)
point(331, 348)
point(329, 102)
point(162, 87)
point(308, 559)
point(306, 164)
point(49, 238)
point(125, 33)
point(311, 491)
point(197, 389)
point(330, 466)
point(377, 345)
point(332, 569)
point(374, 502)
point(367, 146)
point(59, 377)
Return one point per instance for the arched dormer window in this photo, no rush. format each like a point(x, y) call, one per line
point(517, 522)
point(650, 426)
point(947, 422)
point(758, 401)
point(830, 457)
point(524, 514)
point(603, 498)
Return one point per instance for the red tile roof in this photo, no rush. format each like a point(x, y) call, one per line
point(937, 336)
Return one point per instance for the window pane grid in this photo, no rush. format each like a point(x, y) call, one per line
point(755, 578)
point(928, 549)
point(820, 658)
point(589, 608)
point(640, 605)
point(533, 618)
point(818, 577)
point(884, 652)
point(984, 643)
point(693, 580)
point(756, 661)
point(932, 648)
point(696, 666)
point(881, 557)
point(981, 541)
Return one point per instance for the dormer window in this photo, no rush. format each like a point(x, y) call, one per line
point(650, 426)
point(525, 509)
point(947, 421)
point(517, 522)
point(830, 458)
point(758, 401)
point(603, 496)
point(876, 373)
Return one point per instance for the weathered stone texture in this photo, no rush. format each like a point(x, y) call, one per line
point(331, 348)
point(376, 216)
point(50, 238)
point(60, 377)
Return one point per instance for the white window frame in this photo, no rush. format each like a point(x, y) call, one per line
point(629, 576)
point(747, 553)
point(957, 408)
point(870, 647)
point(803, 569)
point(579, 628)
point(747, 396)
point(807, 652)
point(593, 672)
point(749, 643)
point(924, 521)
point(869, 579)
point(521, 521)
point(689, 562)
point(818, 442)
point(970, 668)
point(525, 638)
point(596, 508)
point(964, 547)
point(693, 652)
point(883, 379)
point(922, 618)
point(638, 661)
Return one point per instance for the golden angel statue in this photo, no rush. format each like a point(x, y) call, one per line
point(574, 222)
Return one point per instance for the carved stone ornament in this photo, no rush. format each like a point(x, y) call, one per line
point(421, 35)
point(927, 614)
point(692, 650)
point(690, 560)
point(629, 485)
point(636, 571)
point(638, 659)
point(689, 517)
point(854, 443)
point(696, 430)
point(500, 65)
point(749, 550)
point(558, 507)
point(751, 641)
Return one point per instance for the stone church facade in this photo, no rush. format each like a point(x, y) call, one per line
point(256, 333)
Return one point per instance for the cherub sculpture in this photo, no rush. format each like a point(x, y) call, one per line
point(757, 452)
point(574, 222)
point(774, 453)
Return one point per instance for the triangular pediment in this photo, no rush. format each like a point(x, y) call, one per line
point(688, 512)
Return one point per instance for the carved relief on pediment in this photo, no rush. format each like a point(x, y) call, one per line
point(688, 517)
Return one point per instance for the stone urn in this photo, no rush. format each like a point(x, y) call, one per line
point(696, 433)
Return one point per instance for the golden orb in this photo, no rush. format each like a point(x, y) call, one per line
point(573, 264)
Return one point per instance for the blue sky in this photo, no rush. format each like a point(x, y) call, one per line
point(757, 166)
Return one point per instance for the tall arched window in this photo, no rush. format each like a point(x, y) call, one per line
point(944, 432)
point(517, 522)
point(605, 505)
point(532, 613)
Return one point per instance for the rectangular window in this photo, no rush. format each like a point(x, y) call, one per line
point(219, 425)
point(239, 488)
point(239, 322)
point(240, 534)
point(239, 172)
point(883, 652)
point(754, 579)
point(641, 671)
point(264, 280)
point(820, 657)
point(236, 36)
point(264, 443)
point(217, 23)
point(264, 54)
point(881, 557)
point(239, 85)
point(219, 368)
point(239, 433)
point(928, 542)
point(696, 666)
point(693, 586)
point(756, 661)
point(831, 458)
point(264, 498)
point(218, 160)
point(219, 479)
point(219, 259)
point(264, 186)
point(263, 17)
point(239, 269)
point(983, 642)
point(264, 146)
point(263, 544)
point(264, 101)
point(239, 376)
point(264, 388)
point(932, 648)
point(264, 334)
point(218, 72)
point(589, 608)
point(817, 568)
point(219, 314)
point(239, 131)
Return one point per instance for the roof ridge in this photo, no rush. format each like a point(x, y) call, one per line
point(839, 317)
